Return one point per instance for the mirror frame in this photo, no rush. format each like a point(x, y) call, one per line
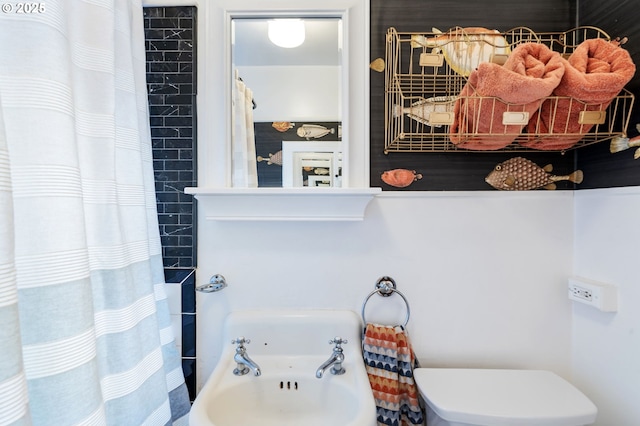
point(215, 76)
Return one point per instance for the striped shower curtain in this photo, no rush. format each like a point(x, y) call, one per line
point(85, 334)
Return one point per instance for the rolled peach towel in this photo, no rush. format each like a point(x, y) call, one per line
point(595, 73)
point(518, 88)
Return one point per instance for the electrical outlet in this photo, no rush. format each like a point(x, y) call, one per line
point(579, 293)
point(599, 295)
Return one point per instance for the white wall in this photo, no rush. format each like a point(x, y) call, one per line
point(485, 273)
point(606, 346)
point(294, 93)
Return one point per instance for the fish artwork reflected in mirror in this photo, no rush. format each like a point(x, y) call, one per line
point(520, 174)
point(313, 131)
point(283, 126)
point(272, 159)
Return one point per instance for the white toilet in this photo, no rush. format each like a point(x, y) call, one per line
point(488, 397)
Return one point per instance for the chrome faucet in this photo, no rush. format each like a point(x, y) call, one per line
point(336, 359)
point(242, 359)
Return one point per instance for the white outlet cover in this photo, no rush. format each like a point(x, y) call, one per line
point(599, 295)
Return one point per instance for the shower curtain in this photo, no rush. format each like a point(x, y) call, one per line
point(85, 333)
point(244, 162)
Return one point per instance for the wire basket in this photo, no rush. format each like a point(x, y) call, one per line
point(425, 75)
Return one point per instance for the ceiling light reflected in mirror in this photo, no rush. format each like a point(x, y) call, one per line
point(286, 33)
point(252, 46)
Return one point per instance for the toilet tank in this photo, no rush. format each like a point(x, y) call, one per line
point(495, 397)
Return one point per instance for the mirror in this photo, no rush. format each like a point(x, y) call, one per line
point(218, 61)
point(287, 72)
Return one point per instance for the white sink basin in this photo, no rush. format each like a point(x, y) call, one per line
point(289, 401)
point(288, 346)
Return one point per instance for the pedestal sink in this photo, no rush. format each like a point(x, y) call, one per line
point(289, 347)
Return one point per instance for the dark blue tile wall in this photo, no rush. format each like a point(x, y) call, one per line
point(171, 85)
point(186, 279)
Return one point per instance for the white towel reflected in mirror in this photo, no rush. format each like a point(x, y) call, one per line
point(243, 155)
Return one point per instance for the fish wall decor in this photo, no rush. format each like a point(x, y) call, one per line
point(520, 174)
point(283, 126)
point(400, 178)
point(421, 110)
point(620, 143)
point(313, 131)
point(465, 48)
point(378, 65)
point(272, 159)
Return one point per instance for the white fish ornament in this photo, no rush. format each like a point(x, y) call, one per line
point(465, 48)
point(422, 110)
point(620, 143)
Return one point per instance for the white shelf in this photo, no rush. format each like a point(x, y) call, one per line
point(283, 204)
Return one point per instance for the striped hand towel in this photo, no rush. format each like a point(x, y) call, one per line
point(390, 361)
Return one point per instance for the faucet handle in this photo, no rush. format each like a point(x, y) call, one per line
point(338, 341)
point(240, 341)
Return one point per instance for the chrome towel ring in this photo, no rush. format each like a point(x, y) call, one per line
point(385, 287)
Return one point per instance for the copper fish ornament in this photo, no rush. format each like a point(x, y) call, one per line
point(400, 178)
point(520, 174)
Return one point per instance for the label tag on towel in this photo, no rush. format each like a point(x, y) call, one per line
point(431, 60)
point(515, 118)
point(499, 59)
point(592, 117)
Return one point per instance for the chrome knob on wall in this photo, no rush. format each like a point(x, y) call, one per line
point(216, 283)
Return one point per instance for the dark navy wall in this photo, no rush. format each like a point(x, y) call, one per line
point(603, 169)
point(466, 171)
